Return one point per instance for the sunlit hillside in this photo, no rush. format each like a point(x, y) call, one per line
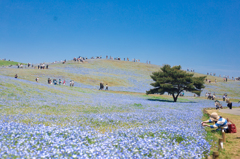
point(119, 75)
point(42, 120)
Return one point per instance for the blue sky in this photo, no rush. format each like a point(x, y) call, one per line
point(202, 35)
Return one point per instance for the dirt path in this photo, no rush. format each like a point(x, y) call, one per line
point(234, 111)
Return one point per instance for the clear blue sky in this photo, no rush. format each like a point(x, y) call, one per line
point(203, 35)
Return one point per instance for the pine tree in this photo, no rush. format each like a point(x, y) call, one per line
point(174, 80)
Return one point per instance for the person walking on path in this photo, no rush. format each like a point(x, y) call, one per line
point(219, 121)
point(229, 103)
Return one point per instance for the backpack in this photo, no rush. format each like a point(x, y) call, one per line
point(231, 127)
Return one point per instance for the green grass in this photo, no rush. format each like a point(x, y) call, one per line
point(7, 63)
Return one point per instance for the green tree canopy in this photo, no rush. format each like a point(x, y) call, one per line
point(174, 80)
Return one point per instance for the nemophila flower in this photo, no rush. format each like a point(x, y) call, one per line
point(95, 124)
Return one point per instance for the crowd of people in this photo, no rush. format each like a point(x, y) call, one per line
point(82, 59)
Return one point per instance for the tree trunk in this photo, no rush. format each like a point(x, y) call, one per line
point(175, 99)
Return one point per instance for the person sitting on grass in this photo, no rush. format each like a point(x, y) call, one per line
point(16, 76)
point(219, 121)
point(218, 104)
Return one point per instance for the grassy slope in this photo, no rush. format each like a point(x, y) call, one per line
point(140, 68)
point(94, 78)
point(7, 63)
point(232, 145)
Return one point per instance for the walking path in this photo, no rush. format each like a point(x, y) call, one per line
point(235, 111)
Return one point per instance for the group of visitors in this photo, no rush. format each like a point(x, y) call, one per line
point(20, 65)
point(225, 79)
point(102, 86)
point(209, 80)
point(79, 59)
point(209, 96)
point(192, 70)
point(42, 66)
point(225, 98)
point(211, 74)
point(56, 82)
point(118, 58)
point(82, 59)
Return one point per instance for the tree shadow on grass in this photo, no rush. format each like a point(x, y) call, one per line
point(170, 101)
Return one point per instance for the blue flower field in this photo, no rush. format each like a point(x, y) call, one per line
point(39, 120)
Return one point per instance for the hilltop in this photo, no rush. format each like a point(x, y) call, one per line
point(119, 75)
point(7, 63)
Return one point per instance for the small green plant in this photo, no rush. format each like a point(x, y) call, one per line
point(138, 105)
